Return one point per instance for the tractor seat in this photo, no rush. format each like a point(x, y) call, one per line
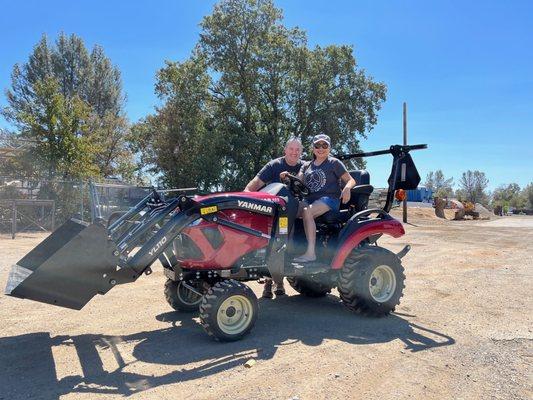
point(333, 220)
point(361, 176)
point(359, 198)
point(358, 201)
point(361, 192)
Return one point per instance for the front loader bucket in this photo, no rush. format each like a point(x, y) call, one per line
point(68, 268)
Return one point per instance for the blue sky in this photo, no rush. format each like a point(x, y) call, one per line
point(465, 69)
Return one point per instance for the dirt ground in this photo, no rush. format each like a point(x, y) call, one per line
point(462, 331)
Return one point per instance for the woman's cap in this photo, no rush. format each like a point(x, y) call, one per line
point(322, 138)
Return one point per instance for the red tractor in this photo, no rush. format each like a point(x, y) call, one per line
point(210, 245)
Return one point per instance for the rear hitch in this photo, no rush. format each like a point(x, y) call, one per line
point(403, 252)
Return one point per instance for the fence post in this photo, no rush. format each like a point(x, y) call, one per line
point(14, 220)
point(81, 194)
point(53, 215)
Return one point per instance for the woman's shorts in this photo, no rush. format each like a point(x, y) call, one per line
point(332, 203)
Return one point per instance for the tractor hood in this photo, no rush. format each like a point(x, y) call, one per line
point(264, 196)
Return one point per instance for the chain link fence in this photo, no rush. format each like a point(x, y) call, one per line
point(33, 206)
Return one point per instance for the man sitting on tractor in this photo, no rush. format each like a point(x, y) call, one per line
point(322, 176)
point(270, 173)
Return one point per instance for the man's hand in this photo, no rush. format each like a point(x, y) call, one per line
point(346, 194)
point(283, 175)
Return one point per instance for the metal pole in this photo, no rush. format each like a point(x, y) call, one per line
point(14, 221)
point(405, 143)
point(81, 203)
point(53, 215)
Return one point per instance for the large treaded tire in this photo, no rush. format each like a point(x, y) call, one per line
point(356, 275)
point(214, 318)
point(177, 300)
point(308, 287)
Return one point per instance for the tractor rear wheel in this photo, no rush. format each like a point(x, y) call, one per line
point(309, 287)
point(371, 281)
point(228, 310)
point(182, 298)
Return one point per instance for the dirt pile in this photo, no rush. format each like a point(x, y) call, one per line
point(422, 214)
point(483, 212)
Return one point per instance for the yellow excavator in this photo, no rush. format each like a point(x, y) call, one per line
point(461, 208)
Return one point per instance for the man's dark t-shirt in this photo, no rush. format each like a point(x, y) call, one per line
point(270, 172)
point(323, 180)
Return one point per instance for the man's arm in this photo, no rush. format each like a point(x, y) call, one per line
point(254, 185)
point(262, 177)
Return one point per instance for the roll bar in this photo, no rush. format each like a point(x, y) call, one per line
point(403, 173)
point(395, 149)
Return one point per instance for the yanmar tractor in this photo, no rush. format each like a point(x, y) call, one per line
point(210, 245)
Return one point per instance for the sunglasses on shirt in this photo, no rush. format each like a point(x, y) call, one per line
point(321, 145)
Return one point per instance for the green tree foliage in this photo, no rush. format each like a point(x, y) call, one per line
point(509, 196)
point(527, 192)
point(55, 123)
point(69, 103)
point(180, 140)
point(249, 84)
point(473, 187)
point(440, 186)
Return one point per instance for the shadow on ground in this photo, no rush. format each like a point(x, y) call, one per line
point(29, 369)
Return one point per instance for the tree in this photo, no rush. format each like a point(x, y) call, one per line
point(69, 102)
point(473, 185)
point(179, 141)
point(509, 196)
point(527, 192)
point(249, 84)
point(436, 182)
point(54, 125)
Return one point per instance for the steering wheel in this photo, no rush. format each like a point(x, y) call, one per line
point(296, 186)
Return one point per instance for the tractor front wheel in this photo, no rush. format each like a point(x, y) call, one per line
point(181, 297)
point(228, 310)
point(371, 281)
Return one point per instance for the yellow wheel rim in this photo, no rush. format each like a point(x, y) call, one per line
point(382, 283)
point(235, 314)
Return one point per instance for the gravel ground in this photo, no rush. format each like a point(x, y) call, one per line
point(462, 331)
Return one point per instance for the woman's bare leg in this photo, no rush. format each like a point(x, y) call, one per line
point(309, 214)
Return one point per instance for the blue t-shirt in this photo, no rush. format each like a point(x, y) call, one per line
point(270, 172)
point(324, 179)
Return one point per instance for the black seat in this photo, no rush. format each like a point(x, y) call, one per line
point(360, 192)
point(361, 176)
point(358, 200)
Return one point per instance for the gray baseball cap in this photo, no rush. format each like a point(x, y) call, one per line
point(322, 138)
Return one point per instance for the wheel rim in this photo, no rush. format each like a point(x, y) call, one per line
point(382, 283)
point(234, 314)
point(187, 296)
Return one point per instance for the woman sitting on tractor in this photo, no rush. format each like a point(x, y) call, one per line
point(322, 176)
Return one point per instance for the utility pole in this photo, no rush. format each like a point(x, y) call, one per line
point(405, 143)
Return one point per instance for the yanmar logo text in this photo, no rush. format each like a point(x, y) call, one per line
point(254, 207)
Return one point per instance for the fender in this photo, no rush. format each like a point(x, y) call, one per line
point(389, 226)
